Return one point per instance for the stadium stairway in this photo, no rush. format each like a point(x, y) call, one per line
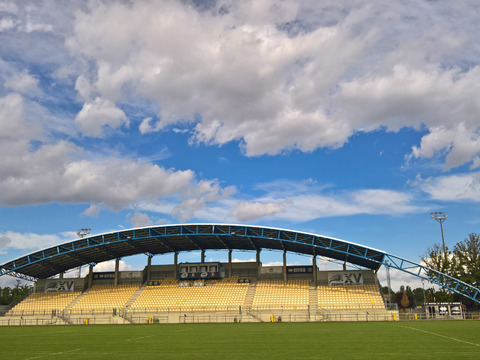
point(250, 295)
point(77, 299)
point(135, 295)
point(313, 298)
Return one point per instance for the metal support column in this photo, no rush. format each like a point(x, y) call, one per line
point(90, 276)
point(230, 263)
point(117, 265)
point(285, 266)
point(175, 263)
point(149, 268)
point(315, 274)
point(202, 258)
point(258, 263)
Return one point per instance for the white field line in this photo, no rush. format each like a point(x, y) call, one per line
point(439, 335)
point(140, 338)
point(53, 354)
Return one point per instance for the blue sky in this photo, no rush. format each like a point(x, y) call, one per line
point(342, 118)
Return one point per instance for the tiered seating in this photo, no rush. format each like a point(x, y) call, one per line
point(43, 302)
point(106, 297)
point(350, 297)
point(169, 295)
point(276, 294)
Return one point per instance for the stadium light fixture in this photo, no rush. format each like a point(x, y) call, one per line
point(81, 234)
point(440, 217)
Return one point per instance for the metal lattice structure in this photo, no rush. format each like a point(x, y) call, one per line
point(200, 237)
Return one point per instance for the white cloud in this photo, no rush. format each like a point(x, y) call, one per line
point(281, 76)
point(140, 220)
point(32, 26)
point(4, 241)
point(383, 201)
point(92, 211)
point(146, 126)
point(7, 24)
point(83, 87)
point(110, 266)
point(63, 172)
point(272, 76)
point(12, 119)
point(443, 100)
point(253, 210)
point(23, 83)
point(97, 114)
point(453, 187)
point(305, 200)
point(8, 7)
point(31, 241)
point(399, 278)
point(11, 282)
point(198, 198)
point(460, 141)
point(273, 263)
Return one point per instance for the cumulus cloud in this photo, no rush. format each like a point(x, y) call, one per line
point(140, 220)
point(27, 19)
point(4, 242)
point(12, 119)
point(110, 266)
point(197, 198)
point(23, 83)
point(64, 172)
point(7, 24)
point(97, 114)
point(146, 126)
point(443, 100)
point(460, 141)
point(272, 76)
point(281, 76)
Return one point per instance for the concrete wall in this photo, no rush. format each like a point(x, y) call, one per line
point(76, 284)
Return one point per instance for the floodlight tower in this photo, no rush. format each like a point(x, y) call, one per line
point(441, 217)
point(82, 233)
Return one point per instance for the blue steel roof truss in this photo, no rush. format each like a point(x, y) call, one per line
point(191, 237)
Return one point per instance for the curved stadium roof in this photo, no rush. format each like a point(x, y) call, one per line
point(189, 237)
point(193, 237)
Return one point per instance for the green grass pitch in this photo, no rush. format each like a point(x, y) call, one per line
point(349, 340)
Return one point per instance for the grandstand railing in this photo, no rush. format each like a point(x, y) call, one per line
point(166, 309)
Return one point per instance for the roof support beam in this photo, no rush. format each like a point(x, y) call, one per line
point(63, 257)
point(193, 242)
point(222, 242)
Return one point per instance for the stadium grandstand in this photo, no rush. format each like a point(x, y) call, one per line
point(207, 291)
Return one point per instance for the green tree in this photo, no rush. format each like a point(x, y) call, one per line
point(403, 300)
point(467, 253)
point(419, 295)
point(442, 296)
point(9, 295)
point(435, 258)
point(5, 296)
point(441, 261)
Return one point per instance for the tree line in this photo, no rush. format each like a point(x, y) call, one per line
point(11, 295)
point(462, 263)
